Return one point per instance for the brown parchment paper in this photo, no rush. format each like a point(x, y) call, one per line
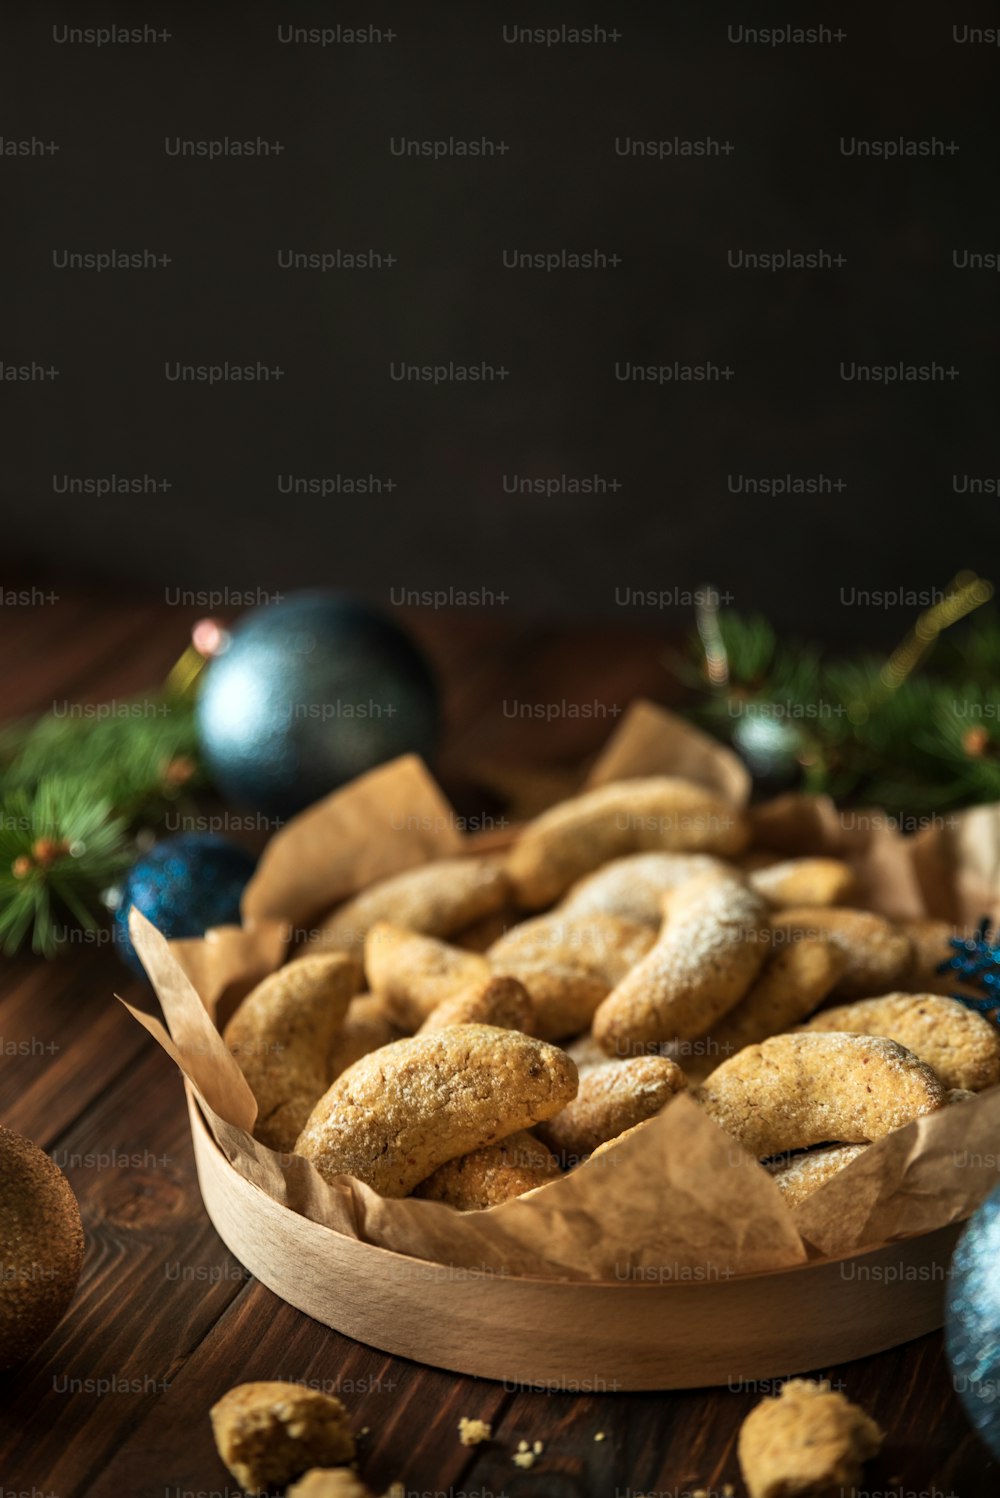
point(679, 1199)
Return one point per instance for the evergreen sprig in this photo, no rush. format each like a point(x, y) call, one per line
point(927, 743)
point(75, 790)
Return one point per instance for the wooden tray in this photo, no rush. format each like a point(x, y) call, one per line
point(591, 1336)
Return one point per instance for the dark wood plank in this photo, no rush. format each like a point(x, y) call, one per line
point(155, 1279)
point(63, 1038)
point(411, 1413)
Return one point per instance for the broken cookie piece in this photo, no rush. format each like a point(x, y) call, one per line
point(807, 1442)
point(269, 1433)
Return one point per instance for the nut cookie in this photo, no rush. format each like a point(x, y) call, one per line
point(396, 1115)
point(612, 1098)
point(367, 1025)
point(962, 1046)
point(801, 1175)
point(281, 1036)
point(827, 1087)
point(436, 899)
point(805, 881)
point(632, 888)
point(795, 979)
point(657, 814)
point(499, 1001)
point(492, 1175)
point(931, 945)
point(413, 973)
point(808, 1441)
point(268, 1433)
point(569, 966)
point(703, 962)
point(878, 952)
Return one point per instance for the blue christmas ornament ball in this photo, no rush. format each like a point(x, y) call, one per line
point(307, 694)
point(972, 1325)
point(184, 885)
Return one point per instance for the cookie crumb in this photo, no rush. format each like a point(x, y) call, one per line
point(538, 1448)
point(599, 1435)
point(473, 1432)
point(524, 1458)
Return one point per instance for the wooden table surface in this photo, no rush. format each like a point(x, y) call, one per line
point(165, 1319)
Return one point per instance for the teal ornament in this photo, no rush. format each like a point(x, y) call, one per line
point(770, 747)
point(183, 885)
point(308, 693)
point(972, 1324)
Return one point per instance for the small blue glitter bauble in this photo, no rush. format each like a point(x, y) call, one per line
point(183, 885)
point(308, 694)
point(972, 1326)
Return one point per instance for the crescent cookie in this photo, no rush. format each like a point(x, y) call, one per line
point(704, 960)
point(268, 1433)
point(413, 973)
point(367, 1025)
point(806, 1442)
point(492, 1175)
point(658, 814)
point(805, 881)
point(793, 1091)
point(396, 1115)
point(794, 981)
point(632, 887)
point(569, 966)
point(962, 1046)
point(612, 1098)
point(499, 1001)
point(281, 1036)
point(801, 1175)
point(931, 943)
point(436, 899)
point(878, 953)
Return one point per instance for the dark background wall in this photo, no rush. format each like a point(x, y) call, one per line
point(675, 450)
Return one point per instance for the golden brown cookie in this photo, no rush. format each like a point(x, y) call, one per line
point(569, 966)
point(794, 980)
point(963, 1047)
point(818, 1088)
point(632, 888)
point(268, 1433)
point(805, 881)
point(329, 1482)
point(491, 1175)
point(799, 1176)
point(281, 1036)
point(435, 899)
point(657, 814)
point(396, 1115)
point(930, 946)
point(585, 1052)
point(806, 1442)
point(367, 1025)
point(413, 973)
point(499, 1001)
point(878, 953)
point(704, 961)
point(612, 1098)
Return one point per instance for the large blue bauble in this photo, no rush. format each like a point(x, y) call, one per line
point(184, 885)
point(308, 694)
point(972, 1327)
